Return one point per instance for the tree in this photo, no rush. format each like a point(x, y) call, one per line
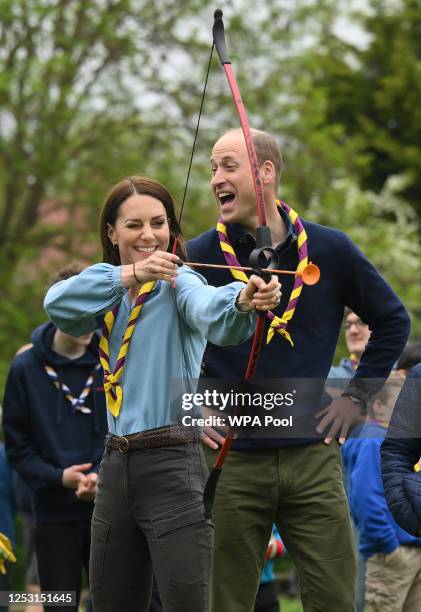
point(374, 93)
point(385, 227)
point(82, 84)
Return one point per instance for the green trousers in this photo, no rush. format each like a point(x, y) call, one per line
point(301, 490)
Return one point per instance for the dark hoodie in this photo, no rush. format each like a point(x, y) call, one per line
point(42, 432)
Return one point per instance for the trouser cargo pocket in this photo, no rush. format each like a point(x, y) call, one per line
point(185, 539)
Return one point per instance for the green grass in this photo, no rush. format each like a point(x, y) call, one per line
point(290, 605)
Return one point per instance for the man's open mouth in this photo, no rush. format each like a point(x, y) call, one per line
point(225, 197)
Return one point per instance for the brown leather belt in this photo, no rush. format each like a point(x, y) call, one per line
point(152, 438)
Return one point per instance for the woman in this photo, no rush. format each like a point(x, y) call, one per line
point(148, 514)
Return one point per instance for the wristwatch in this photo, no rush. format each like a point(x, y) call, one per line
point(355, 399)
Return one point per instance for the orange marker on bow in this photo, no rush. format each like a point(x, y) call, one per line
point(310, 274)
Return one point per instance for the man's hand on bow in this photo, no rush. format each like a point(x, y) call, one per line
point(339, 416)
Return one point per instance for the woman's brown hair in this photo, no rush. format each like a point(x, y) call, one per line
point(129, 186)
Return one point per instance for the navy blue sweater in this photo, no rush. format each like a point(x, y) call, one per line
point(400, 451)
point(347, 279)
point(43, 434)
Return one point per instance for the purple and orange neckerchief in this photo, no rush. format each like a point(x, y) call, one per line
point(78, 403)
point(112, 387)
point(278, 324)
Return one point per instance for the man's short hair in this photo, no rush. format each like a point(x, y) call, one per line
point(267, 148)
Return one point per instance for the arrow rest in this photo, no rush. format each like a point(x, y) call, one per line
point(264, 257)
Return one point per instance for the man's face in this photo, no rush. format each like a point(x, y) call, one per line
point(232, 182)
point(356, 334)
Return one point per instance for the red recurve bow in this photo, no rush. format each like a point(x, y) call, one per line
point(262, 259)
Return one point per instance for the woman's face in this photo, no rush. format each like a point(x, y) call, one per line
point(141, 228)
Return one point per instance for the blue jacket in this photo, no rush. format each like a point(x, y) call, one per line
point(7, 502)
point(345, 369)
point(347, 279)
point(339, 375)
point(42, 433)
point(400, 451)
point(378, 532)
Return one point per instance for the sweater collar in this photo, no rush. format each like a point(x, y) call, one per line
point(239, 235)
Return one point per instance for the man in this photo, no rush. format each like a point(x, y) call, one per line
point(295, 482)
point(357, 334)
point(393, 557)
point(55, 424)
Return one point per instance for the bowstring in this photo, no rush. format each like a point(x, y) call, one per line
point(194, 142)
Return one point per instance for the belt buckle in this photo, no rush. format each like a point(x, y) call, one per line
point(123, 445)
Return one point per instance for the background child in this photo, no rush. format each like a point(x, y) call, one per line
point(393, 577)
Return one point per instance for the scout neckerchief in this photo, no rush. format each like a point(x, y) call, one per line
point(384, 424)
point(278, 324)
point(112, 387)
point(354, 361)
point(78, 403)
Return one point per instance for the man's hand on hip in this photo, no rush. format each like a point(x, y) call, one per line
point(339, 416)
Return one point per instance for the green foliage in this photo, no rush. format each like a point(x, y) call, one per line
point(290, 605)
point(383, 225)
point(82, 91)
point(85, 99)
point(386, 229)
point(375, 92)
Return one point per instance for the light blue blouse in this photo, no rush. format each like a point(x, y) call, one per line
point(168, 341)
